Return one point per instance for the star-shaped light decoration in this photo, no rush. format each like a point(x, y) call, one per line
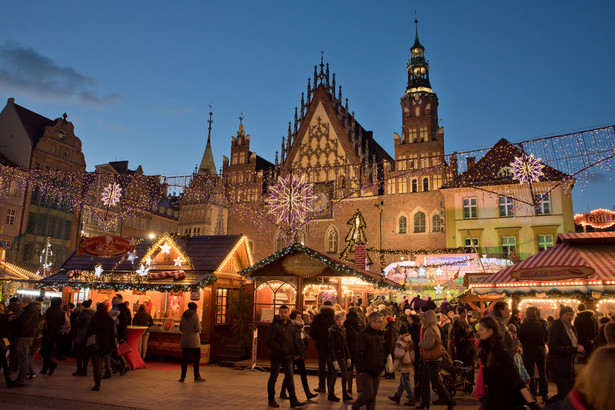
point(178, 261)
point(98, 270)
point(148, 261)
point(527, 169)
point(290, 200)
point(111, 194)
point(143, 271)
point(439, 272)
point(439, 288)
point(132, 256)
point(165, 248)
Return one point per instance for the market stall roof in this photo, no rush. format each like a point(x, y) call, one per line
point(274, 265)
point(578, 262)
point(203, 256)
point(11, 272)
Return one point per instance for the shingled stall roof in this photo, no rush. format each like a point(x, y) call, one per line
point(271, 266)
point(205, 253)
point(487, 170)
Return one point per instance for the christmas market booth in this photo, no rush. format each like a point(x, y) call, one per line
point(303, 279)
point(164, 274)
point(579, 268)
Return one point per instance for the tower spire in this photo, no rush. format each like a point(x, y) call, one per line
point(418, 68)
point(208, 166)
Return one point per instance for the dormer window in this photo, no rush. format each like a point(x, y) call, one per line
point(61, 135)
point(505, 172)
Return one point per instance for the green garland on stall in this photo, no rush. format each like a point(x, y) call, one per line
point(296, 248)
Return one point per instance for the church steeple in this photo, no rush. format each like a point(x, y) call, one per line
point(418, 68)
point(208, 167)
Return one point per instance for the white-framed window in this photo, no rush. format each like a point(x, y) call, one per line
point(10, 216)
point(470, 208)
point(437, 223)
point(402, 225)
point(221, 306)
point(332, 240)
point(544, 242)
point(470, 243)
point(506, 205)
point(508, 246)
point(419, 222)
point(543, 204)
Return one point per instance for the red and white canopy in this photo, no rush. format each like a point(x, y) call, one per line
point(582, 260)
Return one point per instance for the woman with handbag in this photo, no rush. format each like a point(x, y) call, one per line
point(432, 353)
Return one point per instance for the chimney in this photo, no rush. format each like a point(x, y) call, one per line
point(470, 161)
point(360, 257)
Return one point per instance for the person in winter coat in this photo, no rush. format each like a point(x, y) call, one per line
point(25, 327)
point(283, 348)
point(415, 336)
point(190, 342)
point(587, 329)
point(430, 373)
point(514, 318)
point(391, 334)
point(4, 334)
point(339, 357)
point(80, 328)
point(123, 321)
point(461, 334)
point(320, 333)
point(100, 340)
point(299, 362)
point(403, 358)
point(503, 387)
point(142, 318)
point(593, 389)
point(370, 361)
point(354, 326)
point(54, 317)
point(500, 313)
point(533, 336)
point(563, 349)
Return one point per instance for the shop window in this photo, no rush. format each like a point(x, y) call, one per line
point(506, 207)
point(437, 223)
point(544, 242)
point(221, 306)
point(10, 216)
point(332, 240)
point(403, 224)
point(81, 295)
point(419, 222)
point(543, 204)
point(470, 209)
point(508, 247)
point(270, 296)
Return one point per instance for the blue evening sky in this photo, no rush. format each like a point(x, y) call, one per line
point(136, 77)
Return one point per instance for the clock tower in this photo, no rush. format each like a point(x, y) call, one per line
point(421, 143)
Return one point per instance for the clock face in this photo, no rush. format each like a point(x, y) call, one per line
point(320, 203)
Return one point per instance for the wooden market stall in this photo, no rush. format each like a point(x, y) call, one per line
point(580, 267)
point(304, 279)
point(165, 274)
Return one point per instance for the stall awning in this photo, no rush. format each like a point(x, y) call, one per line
point(581, 261)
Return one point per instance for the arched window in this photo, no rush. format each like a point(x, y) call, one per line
point(332, 239)
point(437, 223)
point(425, 184)
point(415, 187)
point(302, 238)
point(403, 224)
point(419, 222)
point(280, 241)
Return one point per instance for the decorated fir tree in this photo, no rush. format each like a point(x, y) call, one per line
point(355, 236)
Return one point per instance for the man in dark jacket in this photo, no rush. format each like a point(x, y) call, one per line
point(370, 361)
point(587, 328)
point(25, 326)
point(320, 333)
point(283, 347)
point(563, 346)
point(80, 327)
point(54, 319)
point(533, 335)
point(391, 334)
point(354, 326)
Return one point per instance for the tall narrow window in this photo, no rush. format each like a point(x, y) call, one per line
point(332, 239)
point(543, 204)
point(506, 206)
point(437, 223)
point(415, 187)
point(221, 306)
point(419, 222)
point(508, 246)
point(544, 242)
point(403, 224)
point(10, 216)
point(425, 184)
point(470, 210)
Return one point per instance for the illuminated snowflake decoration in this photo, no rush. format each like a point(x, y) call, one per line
point(527, 169)
point(290, 200)
point(111, 194)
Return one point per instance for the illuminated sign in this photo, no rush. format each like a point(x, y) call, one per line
point(552, 273)
point(598, 218)
point(302, 265)
point(105, 246)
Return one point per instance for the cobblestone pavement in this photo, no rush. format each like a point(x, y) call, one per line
point(159, 389)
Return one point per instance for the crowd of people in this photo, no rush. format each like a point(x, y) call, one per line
point(508, 357)
point(85, 332)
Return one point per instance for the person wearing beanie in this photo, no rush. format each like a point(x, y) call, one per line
point(391, 334)
point(80, 327)
point(563, 348)
point(319, 331)
point(100, 340)
point(587, 328)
